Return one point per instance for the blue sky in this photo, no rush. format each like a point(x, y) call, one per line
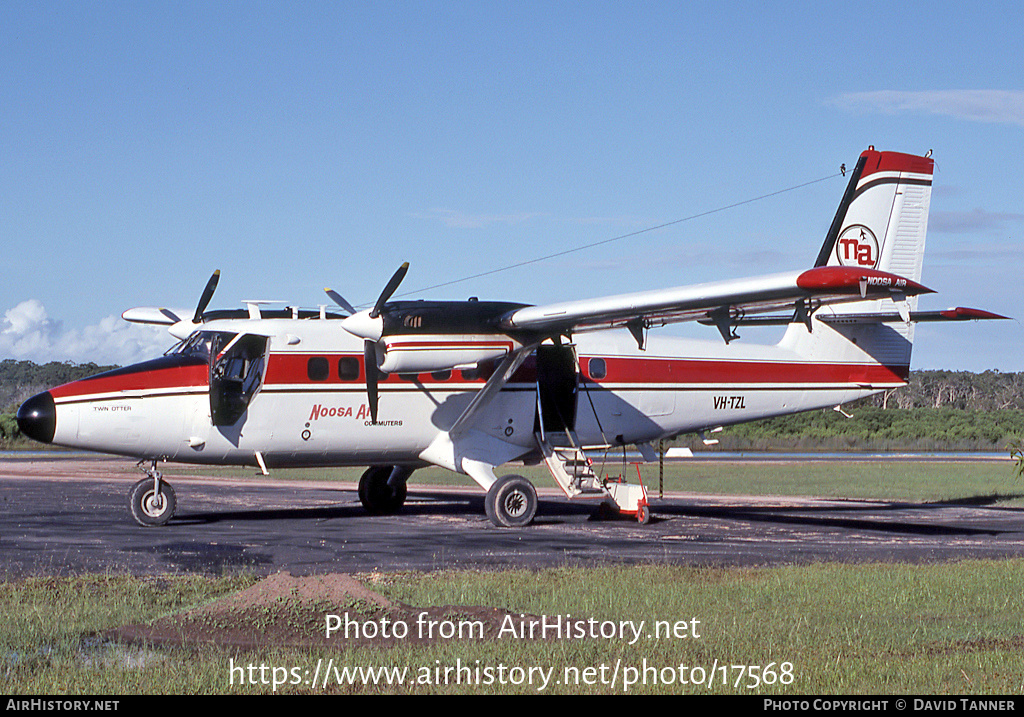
point(295, 146)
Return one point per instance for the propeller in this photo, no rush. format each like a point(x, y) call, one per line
point(340, 301)
point(204, 300)
point(372, 373)
point(369, 326)
point(396, 279)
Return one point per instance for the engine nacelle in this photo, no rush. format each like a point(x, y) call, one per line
point(428, 353)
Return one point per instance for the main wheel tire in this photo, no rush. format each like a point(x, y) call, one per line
point(377, 495)
point(511, 502)
point(149, 508)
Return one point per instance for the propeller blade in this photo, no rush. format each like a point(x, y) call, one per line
point(396, 279)
point(340, 300)
point(204, 300)
point(370, 367)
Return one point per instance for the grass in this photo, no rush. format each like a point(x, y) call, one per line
point(819, 629)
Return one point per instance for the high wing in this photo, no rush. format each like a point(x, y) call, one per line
point(724, 303)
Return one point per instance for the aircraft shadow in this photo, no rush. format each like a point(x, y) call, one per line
point(983, 501)
point(419, 504)
point(428, 503)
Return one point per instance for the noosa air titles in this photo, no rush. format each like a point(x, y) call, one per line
point(320, 411)
point(362, 413)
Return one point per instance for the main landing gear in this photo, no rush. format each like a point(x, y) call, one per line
point(511, 502)
point(151, 500)
point(382, 489)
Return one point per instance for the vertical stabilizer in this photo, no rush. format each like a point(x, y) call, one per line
point(881, 223)
point(884, 215)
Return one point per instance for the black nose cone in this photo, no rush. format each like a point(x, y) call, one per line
point(37, 417)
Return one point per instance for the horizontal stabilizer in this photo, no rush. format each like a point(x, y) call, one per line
point(958, 313)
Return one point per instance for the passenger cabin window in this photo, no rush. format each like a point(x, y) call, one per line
point(318, 368)
point(348, 368)
point(597, 368)
point(441, 375)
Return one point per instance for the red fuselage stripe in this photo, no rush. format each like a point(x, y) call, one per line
point(182, 377)
point(291, 369)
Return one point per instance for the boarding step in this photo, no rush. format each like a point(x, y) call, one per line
point(574, 473)
point(572, 470)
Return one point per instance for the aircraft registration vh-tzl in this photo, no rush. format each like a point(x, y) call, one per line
point(472, 385)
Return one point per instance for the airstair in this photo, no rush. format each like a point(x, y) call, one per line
point(573, 470)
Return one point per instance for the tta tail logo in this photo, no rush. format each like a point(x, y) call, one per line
point(857, 246)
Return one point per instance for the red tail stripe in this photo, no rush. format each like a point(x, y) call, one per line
point(895, 162)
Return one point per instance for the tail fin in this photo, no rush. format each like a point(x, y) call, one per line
point(881, 224)
point(883, 218)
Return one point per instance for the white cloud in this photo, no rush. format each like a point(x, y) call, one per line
point(996, 106)
point(27, 333)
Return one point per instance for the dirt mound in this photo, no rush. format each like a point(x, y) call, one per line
point(336, 588)
point(319, 610)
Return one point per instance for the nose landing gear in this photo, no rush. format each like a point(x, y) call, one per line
point(151, 500)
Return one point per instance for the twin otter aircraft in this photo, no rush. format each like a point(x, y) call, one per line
point(471, 385)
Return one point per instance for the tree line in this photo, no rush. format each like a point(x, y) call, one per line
point(962, 390)
point(21, 379)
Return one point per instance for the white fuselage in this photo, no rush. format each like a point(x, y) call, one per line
point(309, 406)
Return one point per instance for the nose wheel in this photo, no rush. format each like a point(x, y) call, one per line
point(151, 500)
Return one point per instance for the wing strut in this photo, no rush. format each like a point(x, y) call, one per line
point(499, 378)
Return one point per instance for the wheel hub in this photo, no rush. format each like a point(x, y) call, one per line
point(515, 503)
point(153, 504)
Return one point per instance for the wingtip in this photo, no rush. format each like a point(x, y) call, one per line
point(850, 279)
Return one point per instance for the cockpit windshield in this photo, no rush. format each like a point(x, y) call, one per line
point(197, 345)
